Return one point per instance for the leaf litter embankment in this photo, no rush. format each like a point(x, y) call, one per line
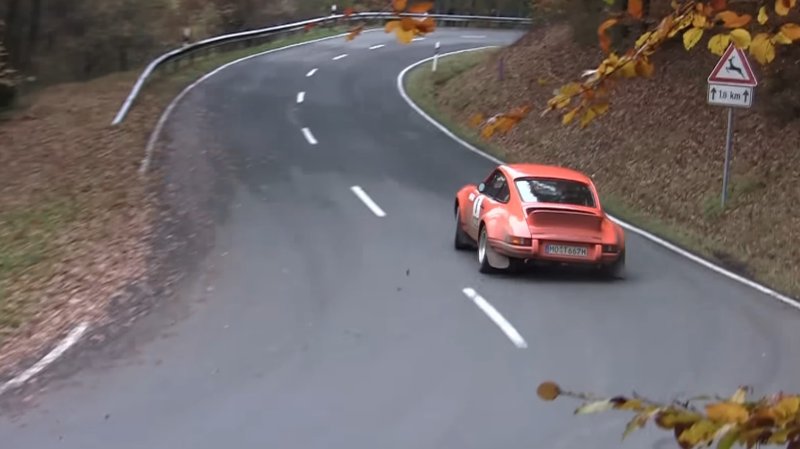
point(658, 154)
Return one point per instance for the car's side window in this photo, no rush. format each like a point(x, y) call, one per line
point(498, 187)
point(490, 183)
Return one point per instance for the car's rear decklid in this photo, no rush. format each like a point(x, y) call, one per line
point(564, 219)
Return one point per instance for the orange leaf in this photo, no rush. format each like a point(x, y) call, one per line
point(355, 31)
point(504, 124)
point(407, 23)
point(733, 20)
point(791, 30)
point(399, 5)
point(605, 41)
point(419, 8)
point(348, 11)
point(719, 5)
point(404, 36)
point(476, 120)
point(782, 7)
point(519, 112)
point(391, 25)
point(635, 8)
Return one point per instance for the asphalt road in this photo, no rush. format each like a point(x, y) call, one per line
point(328, 326)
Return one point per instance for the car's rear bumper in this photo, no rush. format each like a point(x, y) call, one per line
point(536, 251)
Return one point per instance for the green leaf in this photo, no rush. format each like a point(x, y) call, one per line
point(727, 440)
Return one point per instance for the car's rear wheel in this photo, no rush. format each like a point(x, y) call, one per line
point(462, 240)
point(616, 269)
point(483, 250)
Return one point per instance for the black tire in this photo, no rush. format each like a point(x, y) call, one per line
point(615, 270)
point(462, 240)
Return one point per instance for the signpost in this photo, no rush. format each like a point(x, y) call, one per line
point(731, 84)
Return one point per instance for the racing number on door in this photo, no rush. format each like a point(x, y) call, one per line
point(476, 207)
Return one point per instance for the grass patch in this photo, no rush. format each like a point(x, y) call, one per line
point(64, 210)
point(28, 241)
point(422, 85)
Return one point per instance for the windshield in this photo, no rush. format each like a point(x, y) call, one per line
point(562, 191)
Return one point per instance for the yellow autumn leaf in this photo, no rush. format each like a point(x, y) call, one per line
point(399, 5)
point(570, 89)
point(391, 25)
point(728, 412)
point(683, 23)
point(791, 30)
point(644, 68)
point(741, 38)
point(762, 48)
point(588, 116)
point(404, 36)
point(643, 39)
point(699, 20)
point(786, 408)
point(692, 37)
point(782, 7)
point(628, 69)
point(700, 432)
point(762, 15)
point(476, 119)
point(739, 395)
point(780, 38)
point(569, 116)
point(718, 43)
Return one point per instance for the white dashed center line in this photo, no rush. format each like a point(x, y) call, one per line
point(343, 55)
point(495, 316)
point(311, 72)
point(418, 39)
point(368, 201)
point(309, 137)
point(301, 96)
point(376, 46)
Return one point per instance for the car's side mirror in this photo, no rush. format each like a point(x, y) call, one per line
point(481, 187)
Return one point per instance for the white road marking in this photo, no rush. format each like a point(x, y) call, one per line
point(362, 195)
point(51, 357)
point(311, 72)
point(473, 36)
point(309, 137)
point(653, 238)
point(154, 136)
point(336, 58)
point(301, 96)
point(418, 39)
point(495, 316)
point(376, 46)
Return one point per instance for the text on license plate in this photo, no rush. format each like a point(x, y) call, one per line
point(566, 250)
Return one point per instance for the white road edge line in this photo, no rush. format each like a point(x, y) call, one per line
point(376, 46)
point(336, 58)
point(653, 238)
point(62, 347)
point(495, 316)
point(301, 96)
point(309, 137)
point(311, 72)
point(362, 195)
point(145, 164)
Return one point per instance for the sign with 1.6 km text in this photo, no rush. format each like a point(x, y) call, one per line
point(732, 81)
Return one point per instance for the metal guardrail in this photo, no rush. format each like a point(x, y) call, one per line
point(189, 50)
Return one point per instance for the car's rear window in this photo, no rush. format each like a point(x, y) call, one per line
point(562, 191)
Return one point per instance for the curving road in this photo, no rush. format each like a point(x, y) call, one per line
point(334, 323)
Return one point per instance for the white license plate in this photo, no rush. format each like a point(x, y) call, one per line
point(567, 250)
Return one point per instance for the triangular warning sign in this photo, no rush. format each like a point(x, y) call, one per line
point(733, 68)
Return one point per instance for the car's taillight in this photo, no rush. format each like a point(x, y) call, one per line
point(520, 241)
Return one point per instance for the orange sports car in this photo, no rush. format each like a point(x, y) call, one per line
point(527, 213)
